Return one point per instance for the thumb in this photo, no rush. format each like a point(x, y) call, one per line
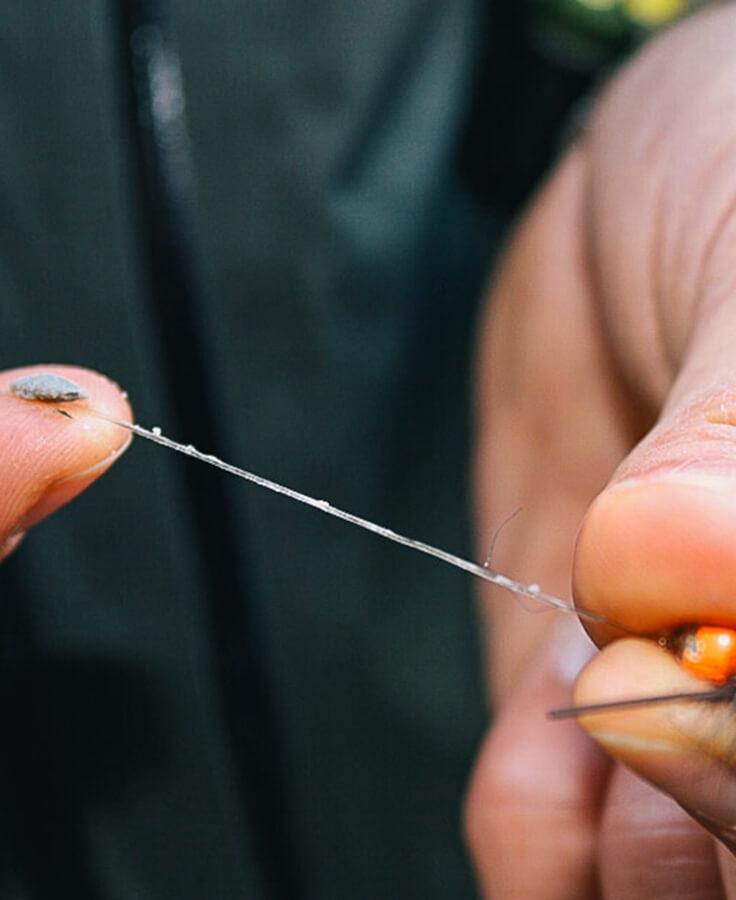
point(46, 459)
point(657, 551)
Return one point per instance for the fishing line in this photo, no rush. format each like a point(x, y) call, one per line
point(484, 572)
point(518, 588)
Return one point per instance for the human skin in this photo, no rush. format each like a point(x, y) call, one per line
point(607, 396)
point(47, 459)
point(613, 314)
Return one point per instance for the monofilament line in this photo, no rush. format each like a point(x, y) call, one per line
point(487, 574)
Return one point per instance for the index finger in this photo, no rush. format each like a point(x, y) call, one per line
point(47, 459)
point(687, 749)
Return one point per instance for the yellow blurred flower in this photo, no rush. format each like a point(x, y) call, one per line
point(652, 13)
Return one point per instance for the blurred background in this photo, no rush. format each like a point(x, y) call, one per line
point(272, 223)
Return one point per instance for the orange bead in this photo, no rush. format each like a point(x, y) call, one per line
point(710, 653)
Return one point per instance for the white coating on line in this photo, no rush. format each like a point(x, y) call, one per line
point(483, 572)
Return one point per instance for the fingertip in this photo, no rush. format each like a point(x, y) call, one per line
point(685, 748)
point(657, 553)
point(630, 669)
point(51, 451)
point(100, 394)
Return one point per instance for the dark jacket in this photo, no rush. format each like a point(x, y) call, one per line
point(207, 692)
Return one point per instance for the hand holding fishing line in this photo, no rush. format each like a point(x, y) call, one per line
point(613, 308)
point(611, 332)
point(51, 392)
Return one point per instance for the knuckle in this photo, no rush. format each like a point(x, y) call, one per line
point(497, 791)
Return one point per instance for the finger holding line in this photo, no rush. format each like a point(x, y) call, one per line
point(48, 457)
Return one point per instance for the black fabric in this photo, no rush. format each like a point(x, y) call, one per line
point(336, 247)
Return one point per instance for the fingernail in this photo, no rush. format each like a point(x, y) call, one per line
point(622, 741)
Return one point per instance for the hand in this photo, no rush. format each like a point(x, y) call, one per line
point(612, 331)
point(47, 459)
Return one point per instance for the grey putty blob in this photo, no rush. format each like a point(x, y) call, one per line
point(48, 387)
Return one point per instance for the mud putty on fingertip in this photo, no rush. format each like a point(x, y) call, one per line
point(48, 387)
